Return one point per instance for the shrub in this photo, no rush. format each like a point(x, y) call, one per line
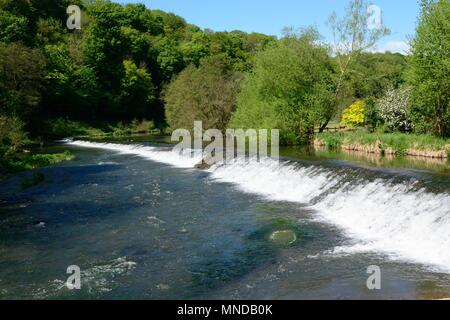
point(372, 116)
point(394, 109)
point(143, 126)
point(354, 115)
point(332, 141)
point(12, 136)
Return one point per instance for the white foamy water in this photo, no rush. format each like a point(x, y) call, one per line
point(392, 218)
point(97, 279)
point(156, 154)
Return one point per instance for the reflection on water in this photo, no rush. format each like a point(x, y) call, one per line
point(441, 166)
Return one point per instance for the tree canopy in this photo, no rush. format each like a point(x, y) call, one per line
point(128, 62)
point(429, 69)
point(290, 88)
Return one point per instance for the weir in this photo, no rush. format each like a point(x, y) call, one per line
point(383, 215)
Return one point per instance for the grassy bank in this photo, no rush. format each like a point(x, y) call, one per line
point(25, 161)
point(18, 162)
point(14, 157)
point(62, 128)
point(398, 144)
point(14, 148)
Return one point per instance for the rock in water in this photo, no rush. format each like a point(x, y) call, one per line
point(203, 165)
point(283, 238)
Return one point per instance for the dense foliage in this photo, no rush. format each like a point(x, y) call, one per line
point(114, 68)
point(290, 88)
point(206, 93)
point(128, 64)
point(429, 73)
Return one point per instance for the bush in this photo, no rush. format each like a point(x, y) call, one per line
point(394, 109)
point(332, 141)
point(372, 116)
point(143, 126)
point(20, 163)
point(63, 128)
point(12, 135)
point(354, 115)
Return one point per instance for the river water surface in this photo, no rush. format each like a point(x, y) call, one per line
point(142, 223)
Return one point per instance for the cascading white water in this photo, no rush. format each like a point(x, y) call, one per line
point(185, 160)
point(393, 218)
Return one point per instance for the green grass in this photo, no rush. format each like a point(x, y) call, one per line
point(400, 142)
point(63, 128)
point(24, 162)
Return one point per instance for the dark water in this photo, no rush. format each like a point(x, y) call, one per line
point(140, 229)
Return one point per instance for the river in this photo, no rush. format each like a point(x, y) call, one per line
point(142, 223)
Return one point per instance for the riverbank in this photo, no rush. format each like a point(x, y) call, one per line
point(22, 158)
point(28, 160)
point(63, 128)
point(388, 144)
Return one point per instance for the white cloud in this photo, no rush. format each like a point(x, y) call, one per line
point(402, 47)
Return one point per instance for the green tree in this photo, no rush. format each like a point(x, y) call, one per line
point(12, 136)
point(290, 88)
point(196, 48)
point(137, 92)
point(22, 72)
point(170, 58)
point(72, 89)
point(104, 50)
point(372, 116)
point(373, 73)
point(24, 15)
point(207, 93)
point(351, 37)
point(429, 72)
point(50, 31)
point(13, 28)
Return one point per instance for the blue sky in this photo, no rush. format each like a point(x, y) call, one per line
point(270, 16)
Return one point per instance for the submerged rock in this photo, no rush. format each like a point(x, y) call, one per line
point(163, 286)
point(283, 237)
point(183, 230)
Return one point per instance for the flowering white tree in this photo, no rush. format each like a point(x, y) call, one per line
point(394, 109)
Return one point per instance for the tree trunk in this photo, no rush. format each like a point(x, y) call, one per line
point(324, 126)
